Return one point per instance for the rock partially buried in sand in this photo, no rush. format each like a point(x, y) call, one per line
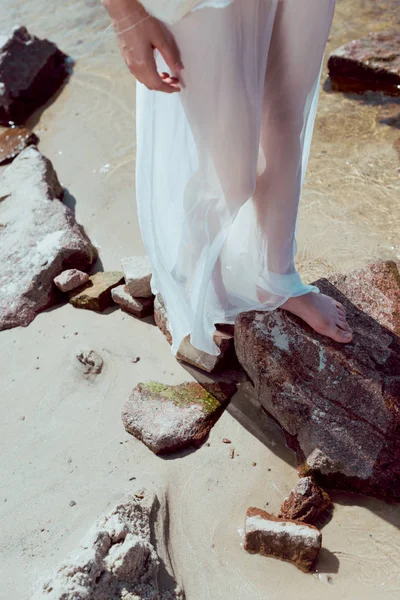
point(168, 418)
point(338, 404)
point(292, 541)
point(139, 307)
point(31, 71)
point(137, 271)
point(116, 559)
point(187, 352)
point(306, 502)
point(70, 279)
point(97, 295)
point(91, 361)
point(370, 63)
point(39, 238)
point(13, 141)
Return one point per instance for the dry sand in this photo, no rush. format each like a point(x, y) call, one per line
point(61, 437)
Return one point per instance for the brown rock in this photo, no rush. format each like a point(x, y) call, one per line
point(139, 307)
point(97, 295)
point(137, 271)
point(31, 71)
point(338, 404)
point(70, 279)
point(39, 238)
point(292, 541)
point(370, 63)
point(188, 353)
point(13, 140)
point(168, 418)
point(306, 502)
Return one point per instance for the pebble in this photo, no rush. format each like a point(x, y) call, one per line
point(226, 441)
point(72, 503)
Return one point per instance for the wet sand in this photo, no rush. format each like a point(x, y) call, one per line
point(62, 438)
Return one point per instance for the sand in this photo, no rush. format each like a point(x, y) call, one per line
point(61, 436)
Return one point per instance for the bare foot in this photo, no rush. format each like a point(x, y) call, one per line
point(324, 314)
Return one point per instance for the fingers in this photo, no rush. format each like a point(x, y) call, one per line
point(170, 53)
point(149, 76)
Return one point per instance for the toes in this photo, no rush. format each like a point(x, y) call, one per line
point(339, 335)
point(343, 324)
point(340, 306)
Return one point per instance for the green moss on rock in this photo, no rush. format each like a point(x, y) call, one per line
point(184, 394)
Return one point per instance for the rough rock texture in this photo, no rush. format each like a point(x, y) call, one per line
point(137, 271)
point(139, 307)
point(70, 279)
point(97, 294)
point(370, 63)
point(39, 237)
point(187, 352)
point(168, 418)
point(13, 140)
point(31, 71)
point(339, 404)
point(306, 502)
point(116, 560)
point(293, 541)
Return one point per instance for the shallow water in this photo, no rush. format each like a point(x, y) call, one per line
point(350, 214)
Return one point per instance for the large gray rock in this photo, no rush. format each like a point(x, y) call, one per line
point(116, 560)
point(31, 71)
point(39, 238)
point(339, 404)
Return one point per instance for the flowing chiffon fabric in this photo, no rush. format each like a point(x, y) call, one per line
point(220, 165)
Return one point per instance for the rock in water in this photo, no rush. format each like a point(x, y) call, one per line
point(139, 307)
point(187, 352)
point(70, 279)
point(168, 418)
point(370, 63)
point(338, 404)
point(31, 71)
point(306, 502)
point(293, 541)
point(116, 560)
point(13, 140)
point(137, 271)
point(39, 237)
point(97, 295)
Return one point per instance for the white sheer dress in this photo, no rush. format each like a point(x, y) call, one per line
point(220, 165)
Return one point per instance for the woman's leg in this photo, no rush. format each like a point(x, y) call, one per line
point(297, 47)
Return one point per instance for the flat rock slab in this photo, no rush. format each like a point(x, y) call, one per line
point(13, 140)
point(306, 502)
point(70, 279)
point(96, 295)
point(138, 307)
point(116, 560)
point(370, 63)
point(137, 271)
point(39, 238)
point(338, 404)
point(188, 353)
point(31, 71)
point(292, 541)
point(168, 418)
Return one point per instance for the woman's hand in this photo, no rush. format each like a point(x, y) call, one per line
point(138, 35)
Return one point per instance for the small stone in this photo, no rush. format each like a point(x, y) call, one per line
point(306, 502)
point(168, 418)
point(208, 444)
point(188, 353)
point(97, 295)
point(136, 360)
point(232, 453)
point(253, 464)
point(13, 141)
point(70, 279)
point(137, 271)
point(292, 541)
point(22, 418)
point(139, 307)
point(92, 362)
point(72, 503)
point(226, 441)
